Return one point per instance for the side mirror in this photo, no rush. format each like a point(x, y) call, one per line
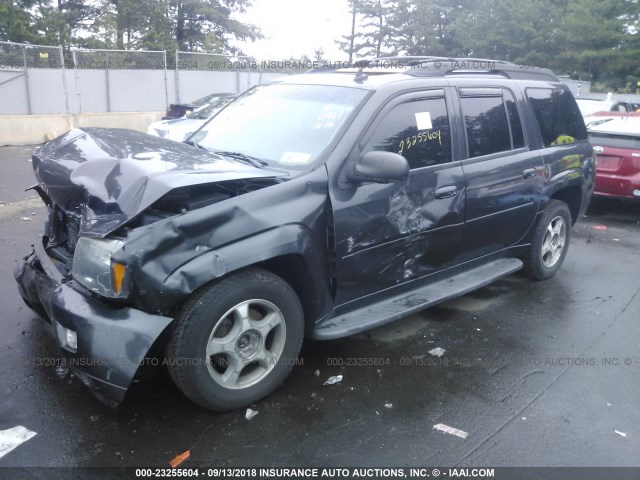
point(379, 167)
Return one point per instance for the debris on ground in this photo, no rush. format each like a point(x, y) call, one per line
point(25, 219)
point(388, 405)
point(453, 431)
point(13, 437)
point(94, 418)
point(178, 459)
point(316, 373)
point(437, 352)
point(250, 414)
point(599, 227)
point(618, 432)
point(333, 380)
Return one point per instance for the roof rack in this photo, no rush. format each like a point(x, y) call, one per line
point(417, 60)
point(471, 66)
point(431, 66)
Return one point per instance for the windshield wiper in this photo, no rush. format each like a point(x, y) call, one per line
point(196, 144)
point(243, 157)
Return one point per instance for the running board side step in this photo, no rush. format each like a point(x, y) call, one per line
point(408, 303)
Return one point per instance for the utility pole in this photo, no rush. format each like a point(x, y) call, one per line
point(353, 29)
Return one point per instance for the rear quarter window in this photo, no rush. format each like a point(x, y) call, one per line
point(557, 115)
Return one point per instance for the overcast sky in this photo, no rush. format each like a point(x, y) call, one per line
point(297, 27)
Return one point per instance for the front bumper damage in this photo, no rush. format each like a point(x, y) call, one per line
point(111, 342)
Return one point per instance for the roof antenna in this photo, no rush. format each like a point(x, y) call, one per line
point(360, 75)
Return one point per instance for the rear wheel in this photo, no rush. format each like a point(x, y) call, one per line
point(550, 241)
point(236, 340)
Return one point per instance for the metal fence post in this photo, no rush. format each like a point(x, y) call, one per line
point(77, 82)
point(25, 68)
point(64, 81)
point(106, 71)
point(177, 77)
point(166, 87)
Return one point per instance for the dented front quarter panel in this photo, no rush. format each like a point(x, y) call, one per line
point(171, 258)
point(112, 179)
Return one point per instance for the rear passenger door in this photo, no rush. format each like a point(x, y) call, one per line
point(503, 177)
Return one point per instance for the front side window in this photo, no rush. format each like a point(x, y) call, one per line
point(558, 116)
point(285, 125)
point(416, 129)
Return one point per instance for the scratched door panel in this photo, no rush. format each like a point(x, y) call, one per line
point(390, 234)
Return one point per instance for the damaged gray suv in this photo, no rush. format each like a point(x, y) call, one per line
point(319, 205)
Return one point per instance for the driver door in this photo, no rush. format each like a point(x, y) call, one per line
point(387, 235)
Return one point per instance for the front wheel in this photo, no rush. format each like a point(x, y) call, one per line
point(235, 340)
point(550, 241)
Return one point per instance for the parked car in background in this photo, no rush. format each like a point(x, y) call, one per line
point(179, 129)
point(616, 143)
point(178, 110)
point(598, 118)
point(589, 106)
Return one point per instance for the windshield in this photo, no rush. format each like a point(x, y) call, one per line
point(285, 125)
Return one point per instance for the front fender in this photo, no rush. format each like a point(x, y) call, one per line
point(289, 239)
point(162, 293)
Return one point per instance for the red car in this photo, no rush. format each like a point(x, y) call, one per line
point(616, 143)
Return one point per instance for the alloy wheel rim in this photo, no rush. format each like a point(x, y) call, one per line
point(245, 344)
point(554, 241)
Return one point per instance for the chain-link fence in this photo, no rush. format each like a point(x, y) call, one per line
point(23, 68)
point(34, 80)
point(199, 74)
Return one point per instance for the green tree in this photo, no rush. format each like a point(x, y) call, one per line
point(208, 25)
point(57, 22)
point(509, 30)
point(426, 27)
point(593, 35)
point(15, 21)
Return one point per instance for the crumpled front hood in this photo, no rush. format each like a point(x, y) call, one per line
point(108, 176)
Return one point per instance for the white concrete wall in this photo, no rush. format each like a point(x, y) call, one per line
point(13, 93)
point(57, 91)
point(36, 129)
point(79, 98)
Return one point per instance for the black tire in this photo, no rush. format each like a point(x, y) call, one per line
point(543, 260)
point(222, 362)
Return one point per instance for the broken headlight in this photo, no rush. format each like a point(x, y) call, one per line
point(94, 269)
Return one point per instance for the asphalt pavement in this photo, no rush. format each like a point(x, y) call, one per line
point(535, 373)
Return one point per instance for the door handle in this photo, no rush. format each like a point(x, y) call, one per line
point(446, 192)
point(529, 173)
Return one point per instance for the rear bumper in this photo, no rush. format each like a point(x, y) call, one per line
point(612, 185)
point(111, 342)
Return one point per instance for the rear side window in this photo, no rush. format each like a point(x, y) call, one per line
point(418, 130)
point(558, 116)
point(492, 121)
